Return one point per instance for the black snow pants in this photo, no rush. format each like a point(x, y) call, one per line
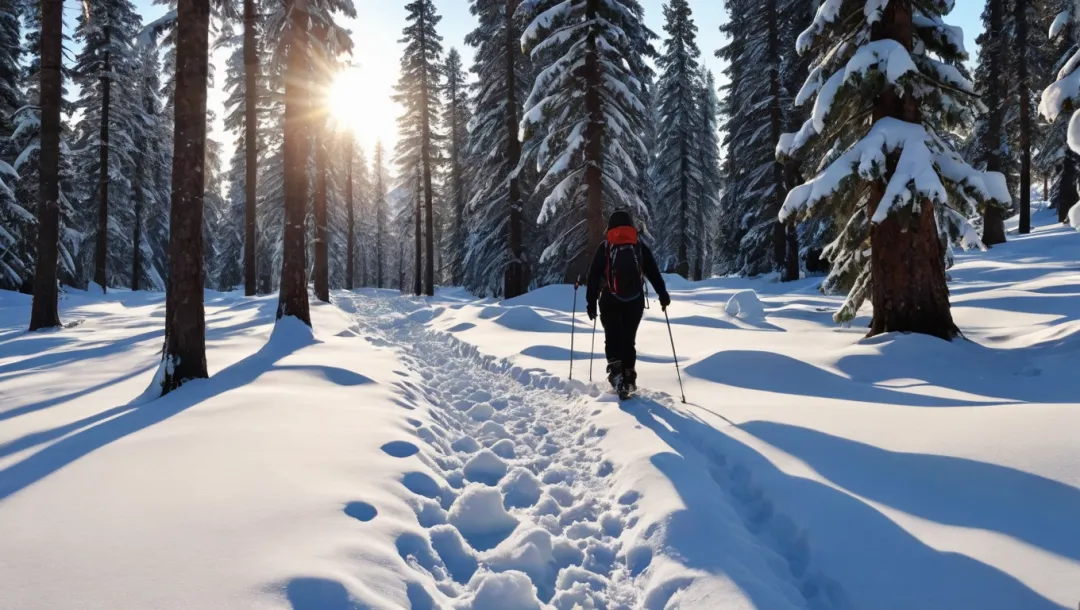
point(621, 320)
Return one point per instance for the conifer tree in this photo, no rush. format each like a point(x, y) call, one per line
point(455, 126)
point(586, 113)
point(1059, 100)
point(184, 356)
point(706, 193)
point(251, 146)
point(880, 104)
point(494, 256)
point(16, 219)
point(105, 72)
point(417, 90)
point(381, 213)
point(44, 312)
point(150, 176)
point(678, 171)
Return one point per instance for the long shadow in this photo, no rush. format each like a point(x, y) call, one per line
point(320, 594)
point(562, 354)
point(62, 398)
point(141, 414)
point(772, 372)
point(997, 374)
point(881, 564)
point(955, 491)
point(58, 358)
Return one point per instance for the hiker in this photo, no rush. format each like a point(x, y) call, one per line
point(617, 280)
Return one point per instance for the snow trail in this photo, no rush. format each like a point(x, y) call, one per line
point(524, 515)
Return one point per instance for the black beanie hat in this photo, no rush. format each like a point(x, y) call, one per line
point(620, 218)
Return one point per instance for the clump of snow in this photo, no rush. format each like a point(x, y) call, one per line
point(504, 449)
point(485, 467)
point(745, 305)
point(1074, 217)
point(481, 411)
point(501, 591)
point(465, 444)
point(480, 516)
point(522, 489)
point(460, 560)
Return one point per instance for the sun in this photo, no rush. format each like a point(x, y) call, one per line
point(360, 101)
point(345, 98)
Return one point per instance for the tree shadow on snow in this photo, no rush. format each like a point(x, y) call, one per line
point(141, 413)
point(881, 564)
point(320, 594)
point(772, 372)
point(950, 490)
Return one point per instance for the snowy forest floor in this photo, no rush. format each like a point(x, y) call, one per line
point(416, 453)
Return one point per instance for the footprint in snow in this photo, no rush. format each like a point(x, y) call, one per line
point(361, 511)
point(400, 449)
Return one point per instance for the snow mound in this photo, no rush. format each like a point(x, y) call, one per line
point(522, 489)
point(481, 518)
point(485, 467)
point(481, 411)
point(746, 305)
point(502, 591)
point(1074, 217)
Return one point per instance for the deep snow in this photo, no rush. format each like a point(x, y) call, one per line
point(432, 453)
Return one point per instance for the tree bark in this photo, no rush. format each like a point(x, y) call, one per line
point(184, 356)
point(993, 219)
point(683, 266)
point(418, 286)
point(425, 160)
point(350, 252)
point(318, 120)
point(101, 245)
point(514, 278)
point(594, 148)
point(251, 146)
point(1066, 196)
point(776, 124)
point(907, 263)
point(136, 251)
point(44, 312)
point(380, 220)
point(1023, 78)
point(293, 297)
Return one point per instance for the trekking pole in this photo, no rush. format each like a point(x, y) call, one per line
point(676, 356)
point(573, 326)
point(592, 350)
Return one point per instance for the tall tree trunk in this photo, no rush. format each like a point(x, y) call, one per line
point(318, 107)
point(44, 312)
point(418, 268)
point(101, 246)
point(907, 262)
point(184, 357)
point(594, 148)
point(350, 252)
point(380, 203)
point(1065, 196)
point(293, 297)
point(425, 160)
point(993, 219)
point(136, 251)
point(514, 278)
point(683, 266)
point(776, 124)
point(1023, 83)
point(251, 146)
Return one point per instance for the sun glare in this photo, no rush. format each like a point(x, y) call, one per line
point(345, 97)
point(359, 101)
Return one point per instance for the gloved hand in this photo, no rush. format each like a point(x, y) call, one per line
point(591, 310)
point(665, 300)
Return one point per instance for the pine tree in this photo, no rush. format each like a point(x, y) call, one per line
point(706, 192)
point(16, 221)
point(587, 114)
point(382, 214)
point(350, 208)
point(293, 299)
point(150, 176)
point(990, 149)
point(881, 102)
point(45, 312)
point(417, 91)
point(455, 126)
point(1058, 100)
point(494, 256)
point(105, 72)
point(679, 173)
point(184, 356)
point(738, 131)
point(1021, 24)
point(251, 148)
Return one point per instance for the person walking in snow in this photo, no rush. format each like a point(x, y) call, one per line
point(617, 281)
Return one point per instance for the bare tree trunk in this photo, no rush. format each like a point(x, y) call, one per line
point(425, 160)
point(594, 149)
point(293, 297)
point(101, 247)
point(44, 312)
point(1023, 78)
point(184, 357)
point(322, 246)
point(776, 123)
point(993, 219)
point(418, 287)
point(907, 264)
point(514, 279)
point(251, 146)
point(350, 252)
point(136, 251)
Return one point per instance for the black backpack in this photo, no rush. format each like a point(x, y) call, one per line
point(625, 279)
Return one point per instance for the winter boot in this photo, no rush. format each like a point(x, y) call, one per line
point(630, 380)
point(615, 375)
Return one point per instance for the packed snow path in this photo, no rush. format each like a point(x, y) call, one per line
point(524, 515)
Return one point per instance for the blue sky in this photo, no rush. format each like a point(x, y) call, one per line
point(377, 30)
